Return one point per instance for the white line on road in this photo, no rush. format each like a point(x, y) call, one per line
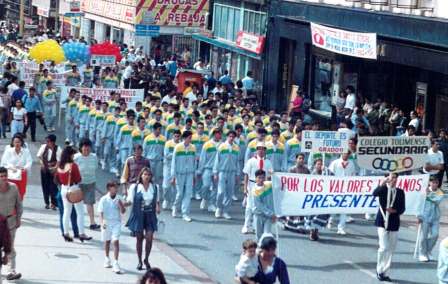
point(360, 268)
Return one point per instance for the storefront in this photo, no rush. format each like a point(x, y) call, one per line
point(407, 70)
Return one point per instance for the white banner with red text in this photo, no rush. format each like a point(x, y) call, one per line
point(302, 195)
point(131, 96)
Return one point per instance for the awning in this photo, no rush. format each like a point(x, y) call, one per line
point(226, 45)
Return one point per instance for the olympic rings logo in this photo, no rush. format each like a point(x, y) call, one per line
point(392, 165)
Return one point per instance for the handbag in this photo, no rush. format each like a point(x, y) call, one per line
point(74, 194)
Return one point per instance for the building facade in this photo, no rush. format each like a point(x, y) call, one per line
point(411, 65)
point(235, 41)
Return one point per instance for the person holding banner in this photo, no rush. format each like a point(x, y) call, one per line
point(391, 205)
point(428, 220)
point(434, 162)
point(263, 209)
point(87, 76)
point(73, 78)
point(342, 167)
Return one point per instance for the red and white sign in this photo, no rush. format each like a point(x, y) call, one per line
point(75, 6)
point(344, 42)
point(251, 42)
point(43, 12)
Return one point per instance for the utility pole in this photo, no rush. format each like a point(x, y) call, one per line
point(22, 17)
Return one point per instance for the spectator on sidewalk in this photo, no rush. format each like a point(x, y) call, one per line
point(10, 208)
point(68, 176)
point(49, 154)
point(110, 207)
point(443, 146)
point(5, 242)
point(18, 118)
point(271, 268)
point(153, 276)
point(88, 163)
point(33, 107)
point(144, 198)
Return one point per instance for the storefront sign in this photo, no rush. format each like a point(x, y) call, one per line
point(110, 10)
point(392, 154)
point(131, 96)
point(299, 195)
point(102, 60)
point(43, 12)
point(192, 13)
point(344, 42)
point(251, 42)
point(147, 30)
point(75, 6)
point(332, 142)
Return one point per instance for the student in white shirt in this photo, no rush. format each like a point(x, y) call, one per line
point(18, 118)
point(342, 167)
point(110, 207)
point(434, 162)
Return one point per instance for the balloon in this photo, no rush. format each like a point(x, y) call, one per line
point(76, 52)
point(47, 50)
point(106, 48)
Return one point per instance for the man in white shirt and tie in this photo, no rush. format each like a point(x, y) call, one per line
point(257, 162)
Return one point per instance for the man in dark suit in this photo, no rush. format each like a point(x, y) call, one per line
point(391, 206)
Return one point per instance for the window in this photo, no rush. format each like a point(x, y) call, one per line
point(226, 21)
point(254, 22)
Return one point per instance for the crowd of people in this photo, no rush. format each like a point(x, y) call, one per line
point(211, 142)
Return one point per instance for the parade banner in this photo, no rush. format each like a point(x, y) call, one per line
point(392, 154)
point(27, 75)
point(302, 195)
point(102, 60)
point(344, 42)
point(332, 142)
point(131, 96)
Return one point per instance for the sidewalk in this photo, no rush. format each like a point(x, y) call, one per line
point(44, 257)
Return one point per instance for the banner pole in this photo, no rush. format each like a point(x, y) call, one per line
point(417, 241)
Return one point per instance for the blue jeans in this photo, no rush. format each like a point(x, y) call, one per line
point(72, 217)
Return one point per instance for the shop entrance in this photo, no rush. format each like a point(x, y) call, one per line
point(286, 69)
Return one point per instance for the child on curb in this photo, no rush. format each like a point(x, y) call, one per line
point(247, 267)
point(110, 207)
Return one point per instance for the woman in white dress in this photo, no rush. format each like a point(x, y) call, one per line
point(17, 159)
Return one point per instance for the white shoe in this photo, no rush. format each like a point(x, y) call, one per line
point(211, 208)
point(226, 216)
point(174, 213)
point(234, 198)
point(368, 216)
point(218, 213)
point(203, 205)
point(187, 218)
point(423, 258)
point(329, 225)
point(103, 164)
point(245, 230)
point(116, 268)
point(197, 196)
point(341, 232)
point(350, 219)
point(107, 263)
point(164, 204)
point(113, 171)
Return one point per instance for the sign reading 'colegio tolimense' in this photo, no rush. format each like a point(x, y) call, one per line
point(392, 154)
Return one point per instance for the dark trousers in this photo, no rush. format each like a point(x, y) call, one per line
point(49, 188)
point(31, 124)
point(72, 217)
point(126, 83)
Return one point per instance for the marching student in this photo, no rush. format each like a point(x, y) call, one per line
point(91, 124)
point(123, 143)
point(391, 205)
point(107, 138)
point(49, 102)
point(429, 219)
point(153, 148)
point(342, 167)
point(100, 121)
point(263, 209)
point(110, 207)
point(168, 188)
point(276, 152)
point(182, 175)
point(293, 147)
point(82, 118)
point(140, 132)
point(226, 171)
point(257, 162)
point(205, 170)
point(176, 125)
point(252, 145)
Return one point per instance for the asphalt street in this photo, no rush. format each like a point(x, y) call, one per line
point(214, 247)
